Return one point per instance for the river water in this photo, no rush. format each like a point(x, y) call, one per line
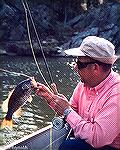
point(37, 114)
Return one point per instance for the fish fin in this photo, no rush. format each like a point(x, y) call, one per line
point(5, 102)
point(30, 99)
point(18, 113)
point(7, 123)
point(5, 105)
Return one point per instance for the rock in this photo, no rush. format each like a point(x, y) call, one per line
point(75, 20)
point(49, 47)
point(21, 48)
point(42, 15)
point(109, 33)
point(3, 52)
point(107, 27)
point(113, 14)
point(77, 40)
point(57, 23)
point(103, 21)
point(20, 30)
point(6, 11)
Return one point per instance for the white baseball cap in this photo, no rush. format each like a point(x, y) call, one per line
point(97, 48)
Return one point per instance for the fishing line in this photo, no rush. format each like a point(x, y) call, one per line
point(63, 135)
point(45, 61)
point(29, 36)
point(19, 74)
point(39, 43)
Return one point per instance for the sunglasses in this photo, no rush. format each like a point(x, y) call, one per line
point(82, 65)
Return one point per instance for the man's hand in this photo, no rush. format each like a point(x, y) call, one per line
point(44, 92)
point(60, 105)
point(58, 102)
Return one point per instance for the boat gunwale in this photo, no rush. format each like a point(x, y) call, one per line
point(26, 137)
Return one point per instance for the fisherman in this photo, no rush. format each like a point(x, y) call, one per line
point(93, 111)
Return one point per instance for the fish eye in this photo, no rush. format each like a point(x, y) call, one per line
point(25, 87)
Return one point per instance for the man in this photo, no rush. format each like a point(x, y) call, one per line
point(94, 108)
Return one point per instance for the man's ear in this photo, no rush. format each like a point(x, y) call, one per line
point(96, 68)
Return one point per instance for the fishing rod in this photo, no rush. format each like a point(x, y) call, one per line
point(30, 40)
point(38, 39)
point(39, 42)
point(57, 122)
point(11, 72)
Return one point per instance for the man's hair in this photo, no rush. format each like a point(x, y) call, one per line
point(105, 67)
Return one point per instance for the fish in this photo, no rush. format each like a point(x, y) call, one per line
point(16, 99)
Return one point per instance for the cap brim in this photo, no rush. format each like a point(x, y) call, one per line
point(107, 60)
point(74, 52)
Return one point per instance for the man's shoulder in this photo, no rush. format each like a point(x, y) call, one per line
point(115, 82)
point(79, 86)
point(116, 76)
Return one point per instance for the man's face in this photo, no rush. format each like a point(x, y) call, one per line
point(84, 69)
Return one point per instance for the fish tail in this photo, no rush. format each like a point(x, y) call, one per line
point(7, 123)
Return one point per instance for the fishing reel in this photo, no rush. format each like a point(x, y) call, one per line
point(58, 123)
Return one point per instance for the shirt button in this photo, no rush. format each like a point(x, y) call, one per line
point(97, 93)
point(90, 98)
point(87, 109)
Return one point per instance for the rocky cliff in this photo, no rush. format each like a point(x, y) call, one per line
point(60, 24)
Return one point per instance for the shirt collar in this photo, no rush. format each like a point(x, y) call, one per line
point(97, 88)
point(101, 85)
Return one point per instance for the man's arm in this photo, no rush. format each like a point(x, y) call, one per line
point(103, 128)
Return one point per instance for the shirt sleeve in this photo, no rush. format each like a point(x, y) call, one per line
point(104, 127)
point(75, 97)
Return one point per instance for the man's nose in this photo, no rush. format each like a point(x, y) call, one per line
point(75, 68)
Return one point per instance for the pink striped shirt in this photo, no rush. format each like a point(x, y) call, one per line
point(97, 112)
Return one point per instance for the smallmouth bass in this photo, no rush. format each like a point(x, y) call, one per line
point(16, 99)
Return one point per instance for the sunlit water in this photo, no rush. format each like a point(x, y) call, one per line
point(37, 114)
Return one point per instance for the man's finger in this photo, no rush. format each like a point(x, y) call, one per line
point(54, 88)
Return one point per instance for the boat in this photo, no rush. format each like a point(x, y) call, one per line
point(47, 138)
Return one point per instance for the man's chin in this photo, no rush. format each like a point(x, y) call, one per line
point(83, 81)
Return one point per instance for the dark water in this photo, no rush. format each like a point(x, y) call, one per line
point(37, 114)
